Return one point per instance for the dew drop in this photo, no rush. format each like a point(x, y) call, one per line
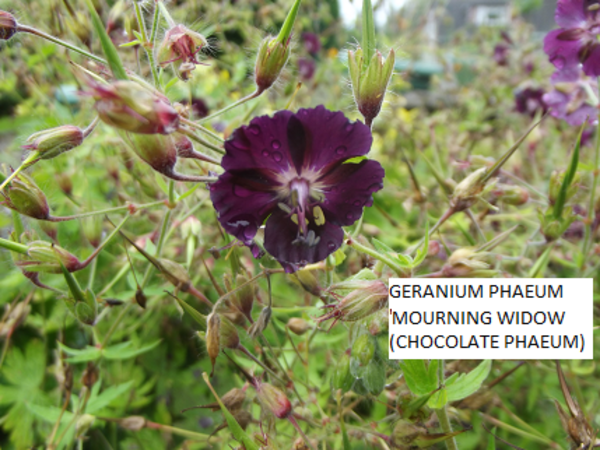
point(341, 150)
point(276, 144)
point(265, 152)
point(254, 130)
point(331, 245)
point(249, 233)
point(349, 216)
point(349, 127)
point(277, 156)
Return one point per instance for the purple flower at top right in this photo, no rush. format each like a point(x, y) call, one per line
point(576, 41)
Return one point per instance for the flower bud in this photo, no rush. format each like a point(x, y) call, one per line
point(271, 59)
point(181, 44)
point(309, 282)
point(25, 197)
point(466, 262)
point(466, 192)
point(43, 256)
point(8, 26)
point(51, 143)
point(366, 298)
point(370, 80)
point(363, 349)
point(510, 194)
point(213, 338)
point(129, 106)
point(83, 424)
point(297, 325)
point(132, 423)
point(553, 228)
point(175, 273)
point(274, 400)
point(233, 400)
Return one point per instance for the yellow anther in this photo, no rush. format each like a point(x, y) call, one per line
point(319, 216)
point(294, 218)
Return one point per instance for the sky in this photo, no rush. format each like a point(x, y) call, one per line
point(350, 9)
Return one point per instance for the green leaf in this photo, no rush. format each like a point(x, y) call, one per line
point(467, 384)
point(108, 395)
point(383, 248)
point(492, 440)
point(422, 252)
point(89, 353)
point(110, 51)
point(438, 399)
point(568, 178)
point(193, 312)
point(421, 380)
point(122, 351)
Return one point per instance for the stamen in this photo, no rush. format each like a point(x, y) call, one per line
point(285, 208)
point(319, 216)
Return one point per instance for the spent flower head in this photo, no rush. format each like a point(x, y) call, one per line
point(8, 25)
point(305, 173)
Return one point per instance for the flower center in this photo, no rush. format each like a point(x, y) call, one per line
point(299, 199)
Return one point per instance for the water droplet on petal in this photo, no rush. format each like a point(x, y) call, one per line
point(249, 233)
point(331, 245)
point(341, 150)
point(277, 156)
point(254, 129)
point(276, 144)
point(349, 127)
point(265, 152)
point(349, 216)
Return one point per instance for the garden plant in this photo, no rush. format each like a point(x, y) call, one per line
point(203, 202)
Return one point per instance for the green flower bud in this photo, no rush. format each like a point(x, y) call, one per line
point(213, 338)
point(270, 61)
point(43, 256)
point(466, 262)
point(366, 297)
point(370, 80)
point(556, 181)
point(510, 194)
point(553, 228)
point(51, 143)
point(8, 26)
point(25, 197)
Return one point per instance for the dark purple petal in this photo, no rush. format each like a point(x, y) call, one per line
point(312, 44)
point(591, 64)
point(562, 53)
point(571, 13)
point(352, 186)
point(281, 241)
point(262, 144)
point(559, 104)
point(241, 210)
point(299, 142)
point(529, 101)
point(333, 137)
point(306, 68)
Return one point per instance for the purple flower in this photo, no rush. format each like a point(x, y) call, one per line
point(501, 54)
point(576, 41)
point(312, 44)
point(570, 99)
point(530, 100)
point(302, 173)
point(306, 68)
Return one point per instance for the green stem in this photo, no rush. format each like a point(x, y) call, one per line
point(442, 413)
point(375, 254)
point(107, 211)
point(202, 129)
point(13, 246)
point(230, 107)
point(201, 141)
point(115, 324)
point(368, 31)
point(95, 253)
point(148, 45)
point(28, 162)
point(48, 37)
point(154, 30)
point(166, 14)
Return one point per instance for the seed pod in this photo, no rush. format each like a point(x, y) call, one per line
point(132, 423)
point(297, 325)
point(366, 298)
point(8, 26)
point(51, 143)
point(274, 400)
point(129, 106)
point(261, 323)
point(510, 194)
point(25, 197)
point(270, 61)
point(44, 257)
point(213, 338)
point(244, 300)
